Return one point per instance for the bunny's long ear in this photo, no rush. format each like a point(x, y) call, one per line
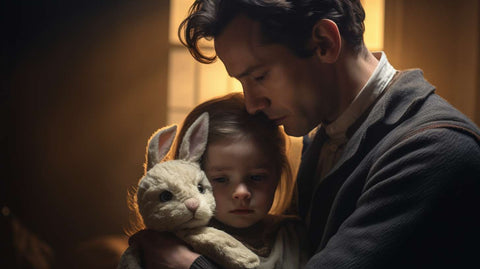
point(195, 140)
point(159, 145)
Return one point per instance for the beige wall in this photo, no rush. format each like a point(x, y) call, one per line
point(442, 38)
point(85, 96)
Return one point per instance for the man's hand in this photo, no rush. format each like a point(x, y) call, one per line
point(163, 250)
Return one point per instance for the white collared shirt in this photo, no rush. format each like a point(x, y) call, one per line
point(336, 131)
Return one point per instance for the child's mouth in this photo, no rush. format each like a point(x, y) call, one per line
point(241, 211)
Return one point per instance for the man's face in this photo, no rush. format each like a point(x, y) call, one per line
point(292, 91)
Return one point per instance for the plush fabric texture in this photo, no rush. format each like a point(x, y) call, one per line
point(181, 179)
point(280, 241)
point(405, 192)
point(176, 196)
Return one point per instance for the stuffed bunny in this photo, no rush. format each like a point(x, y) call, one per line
point(176, 196)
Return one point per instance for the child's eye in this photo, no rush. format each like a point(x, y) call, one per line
point(200, 188)
point(220, 179)
point(165, 196)
point(257, 177)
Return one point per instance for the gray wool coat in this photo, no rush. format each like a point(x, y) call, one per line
point(406, 191)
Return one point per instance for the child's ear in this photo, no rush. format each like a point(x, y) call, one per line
point(159, 145)
point(194, 142)
point(326, 40)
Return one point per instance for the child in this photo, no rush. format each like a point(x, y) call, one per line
point(246, 163)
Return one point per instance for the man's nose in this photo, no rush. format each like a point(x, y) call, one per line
point(254, 102)
point(241, 192)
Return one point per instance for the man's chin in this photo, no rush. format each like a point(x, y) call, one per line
point(295, 132)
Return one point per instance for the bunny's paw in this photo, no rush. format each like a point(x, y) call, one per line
point(240, 256)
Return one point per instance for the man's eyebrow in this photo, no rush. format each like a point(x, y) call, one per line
point(247, 72)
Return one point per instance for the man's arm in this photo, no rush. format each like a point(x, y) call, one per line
point(203, 263)
point(163, 250)
point(415, 204)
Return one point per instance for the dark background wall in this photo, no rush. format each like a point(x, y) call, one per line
point(83, 87)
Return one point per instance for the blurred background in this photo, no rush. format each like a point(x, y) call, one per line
point(85, 83)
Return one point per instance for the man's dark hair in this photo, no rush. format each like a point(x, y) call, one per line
point(287, 22)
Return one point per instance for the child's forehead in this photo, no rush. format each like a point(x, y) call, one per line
point(245, 140)
point(240, 137)
point(237, 152)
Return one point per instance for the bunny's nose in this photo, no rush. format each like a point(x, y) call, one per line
point(192, 204)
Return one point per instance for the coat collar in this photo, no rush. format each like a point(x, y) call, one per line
point(406, 91)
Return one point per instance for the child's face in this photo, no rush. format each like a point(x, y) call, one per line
point(243, 180)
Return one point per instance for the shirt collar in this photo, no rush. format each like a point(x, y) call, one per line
point(376, 84)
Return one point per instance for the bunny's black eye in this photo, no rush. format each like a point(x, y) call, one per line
point(165, 196)
point(200, 188)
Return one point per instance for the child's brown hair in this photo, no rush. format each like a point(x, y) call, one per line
point(229, 119)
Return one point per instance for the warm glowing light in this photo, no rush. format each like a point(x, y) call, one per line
point(374, 23)
point(191, 83)
point(181, 74)
point(213, 81)
point(178, 11)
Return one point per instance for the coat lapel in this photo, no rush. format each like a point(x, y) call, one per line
point(306, 172)
point(379, 120)
point(383, 116)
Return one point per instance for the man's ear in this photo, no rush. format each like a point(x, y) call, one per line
point(327, 41)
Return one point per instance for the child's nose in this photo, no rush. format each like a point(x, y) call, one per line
point(241, 192)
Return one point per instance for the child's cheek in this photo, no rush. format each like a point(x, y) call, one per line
point(220, 199)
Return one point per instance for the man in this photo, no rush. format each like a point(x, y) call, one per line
point(390, 172)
